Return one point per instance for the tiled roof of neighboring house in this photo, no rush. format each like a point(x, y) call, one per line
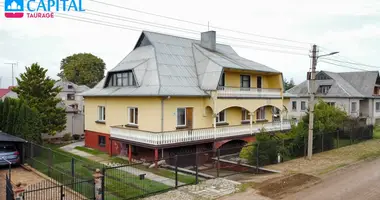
point(5, 91)
point(75, 88)
point(170, 65)
point(343, 84)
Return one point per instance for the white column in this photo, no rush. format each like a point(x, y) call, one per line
point(281, 121)
point(250, 121)
point(214, 116)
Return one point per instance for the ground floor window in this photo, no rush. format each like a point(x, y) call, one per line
point(260, 113)
point(181, 116)
point(102, 141)
point(221, 117)
point(377, 106)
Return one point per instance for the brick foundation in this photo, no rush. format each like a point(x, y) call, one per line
point(92, 140)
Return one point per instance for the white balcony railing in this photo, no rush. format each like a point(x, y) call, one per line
point(179, 136)
point(248, 92)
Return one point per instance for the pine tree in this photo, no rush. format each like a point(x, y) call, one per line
point(38, 92)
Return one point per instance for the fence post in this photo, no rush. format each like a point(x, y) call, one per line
point(218, 163)
point(50, 162)
point(337, 137)
point(323, 138)
point(62, 194)
point(72, 167)
point(257, 157)
point(176, 171)
point(196, 167)
point(99, 184)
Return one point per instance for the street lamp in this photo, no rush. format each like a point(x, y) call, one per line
point(311, 101)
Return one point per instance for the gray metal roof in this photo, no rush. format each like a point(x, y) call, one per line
point(76, 88)
point(344, 84)
point(169, 65)
point(4, 137)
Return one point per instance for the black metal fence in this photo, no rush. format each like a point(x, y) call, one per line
point(52, 189)
point(8, 188)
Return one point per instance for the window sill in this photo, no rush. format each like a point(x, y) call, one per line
point(262, 120)
point(100, 122)
point(246, 122)
point(222, 124)
point(132, 125)
point(181, 127)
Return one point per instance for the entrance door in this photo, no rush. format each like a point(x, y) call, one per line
point(189, 118)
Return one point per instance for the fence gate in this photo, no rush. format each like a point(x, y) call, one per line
point(52, 190)
point(8, 188)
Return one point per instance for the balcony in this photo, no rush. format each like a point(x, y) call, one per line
point(237, 92)
point(194, 135)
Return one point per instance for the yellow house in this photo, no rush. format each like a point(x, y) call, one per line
point(172, 95)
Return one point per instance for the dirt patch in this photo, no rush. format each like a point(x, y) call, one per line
point(288, 184)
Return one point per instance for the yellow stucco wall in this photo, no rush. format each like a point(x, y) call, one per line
point(117, 110)
point(232, 79)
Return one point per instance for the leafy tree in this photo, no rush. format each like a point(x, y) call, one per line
point(82, 69)
point(288, 84)
point(37, 91)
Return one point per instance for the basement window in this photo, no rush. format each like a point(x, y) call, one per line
point(102, 141)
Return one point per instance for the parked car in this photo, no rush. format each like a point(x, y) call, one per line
point(9, 152)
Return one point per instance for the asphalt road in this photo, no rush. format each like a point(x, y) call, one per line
point(357, 182)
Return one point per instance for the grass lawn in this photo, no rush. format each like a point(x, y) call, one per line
point(118, 183)
point(187, 179)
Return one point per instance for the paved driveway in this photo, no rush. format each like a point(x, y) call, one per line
point(361, 181)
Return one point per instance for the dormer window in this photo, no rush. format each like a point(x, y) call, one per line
point(69, 86)
point(122, 79)
point(324, 89)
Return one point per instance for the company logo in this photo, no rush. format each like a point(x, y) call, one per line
point(14, 8)
point(41, 8)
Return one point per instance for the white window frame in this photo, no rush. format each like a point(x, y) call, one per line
point(305, 108)
point(181, 125)
point(101, 113)
point(377, 103)
point(352, 107)
point(225, 117)
point(134, 115)
point(262, 110)
point(245, 114)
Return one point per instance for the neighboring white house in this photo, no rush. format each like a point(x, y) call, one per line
point(358, 93)
point(72, 101)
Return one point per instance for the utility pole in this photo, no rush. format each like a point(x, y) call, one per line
point(314, 58)
point(13, 78)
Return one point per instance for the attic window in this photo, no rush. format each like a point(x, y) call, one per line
point(122, 79)
point(324, 89)
point(70, 86)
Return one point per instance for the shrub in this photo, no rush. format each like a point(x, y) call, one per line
point(246, 152)
point(67, 137)
point(76, 136)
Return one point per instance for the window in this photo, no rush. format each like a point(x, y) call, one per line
point(245, 115)
point(70, 87)
point(122, 79)
point(353, 107)
point(294, 105)
point(101, 113)
point(221, 117)
point(222, 83)
point(102, 141)
point(181, 116)
point(259, 82)
point(260, 113)
point(70, 96)
point(377, 106)
point(324, 89)
point(133, 115)
point(331, 104)
point(245, 81)
point(303, 105)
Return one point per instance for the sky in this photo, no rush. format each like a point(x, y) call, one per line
point(350, 27)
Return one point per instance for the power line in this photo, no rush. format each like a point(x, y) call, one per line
point(164, 26)
point(97, 22)
point(354, 63)
point(343, 66)
point(199, 24)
